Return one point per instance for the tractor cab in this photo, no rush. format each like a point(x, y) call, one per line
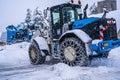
point(70, 36)
point(63, 17)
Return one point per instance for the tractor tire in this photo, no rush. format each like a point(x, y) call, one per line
point(72, 52)
point(35, 54)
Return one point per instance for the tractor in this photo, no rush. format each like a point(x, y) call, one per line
point(25, 30)
point(18, 33)
point(72, 37)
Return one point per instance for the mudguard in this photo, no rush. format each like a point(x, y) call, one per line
point(82, 36)
point(42, 44)
point(79, 33)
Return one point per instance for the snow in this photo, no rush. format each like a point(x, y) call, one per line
point(15, 65)
point(42, 43)
point(80, 34)
point(0, 34)
point(14, 11)
point(15, 54)
point(118, 4)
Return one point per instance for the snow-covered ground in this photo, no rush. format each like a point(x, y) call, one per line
point(15, 65)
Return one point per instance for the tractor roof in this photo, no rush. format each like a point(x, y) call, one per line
point(65, 4)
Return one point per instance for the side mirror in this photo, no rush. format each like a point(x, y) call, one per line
point(86, 7)
point(105, 12)
point(85, 11)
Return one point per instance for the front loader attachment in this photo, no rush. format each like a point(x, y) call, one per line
point(105, 46)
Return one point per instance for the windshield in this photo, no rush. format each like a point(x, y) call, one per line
point(70, 14)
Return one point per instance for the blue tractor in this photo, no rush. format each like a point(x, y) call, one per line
point(73, 38)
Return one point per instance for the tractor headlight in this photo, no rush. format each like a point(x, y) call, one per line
point(111, 21)
point(108, 22)
point(114, 22)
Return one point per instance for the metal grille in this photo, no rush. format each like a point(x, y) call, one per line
point(111, 33)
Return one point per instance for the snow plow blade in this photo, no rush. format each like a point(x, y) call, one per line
point(105, 46)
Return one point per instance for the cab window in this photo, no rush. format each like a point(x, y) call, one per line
point(70, 14)
point(56, 16)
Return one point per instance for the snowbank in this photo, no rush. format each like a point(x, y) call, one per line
point(0, 35)
point(62, 71)
point(15, 65)
point(14, 55)
point(118, 4)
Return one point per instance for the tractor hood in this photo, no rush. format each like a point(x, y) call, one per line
point(81, 23)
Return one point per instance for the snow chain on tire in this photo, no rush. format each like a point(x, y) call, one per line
point(72, 52)
point(35, 54)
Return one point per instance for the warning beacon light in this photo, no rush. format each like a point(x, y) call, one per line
point(72, 1)
point(79, 2)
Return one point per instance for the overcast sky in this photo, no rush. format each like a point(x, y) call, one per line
point(14, 11)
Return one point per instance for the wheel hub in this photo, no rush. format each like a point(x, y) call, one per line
point(33, 54)
point(70, 53)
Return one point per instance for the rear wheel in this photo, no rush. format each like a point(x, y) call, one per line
point(35, 54)
point(72, 52)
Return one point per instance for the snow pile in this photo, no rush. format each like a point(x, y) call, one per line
point(114, 58)
point(15, 65)
point(112, 61)
point(65, 72)
point(115, 14)
point(0, 33)
point(62, 71)
point(118, 4)
point(79, 34)
point(14, 55)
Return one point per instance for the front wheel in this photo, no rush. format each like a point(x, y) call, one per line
point(72, 52)
point(35, 54)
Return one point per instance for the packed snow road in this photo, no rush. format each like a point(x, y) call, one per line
point(15, 65)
